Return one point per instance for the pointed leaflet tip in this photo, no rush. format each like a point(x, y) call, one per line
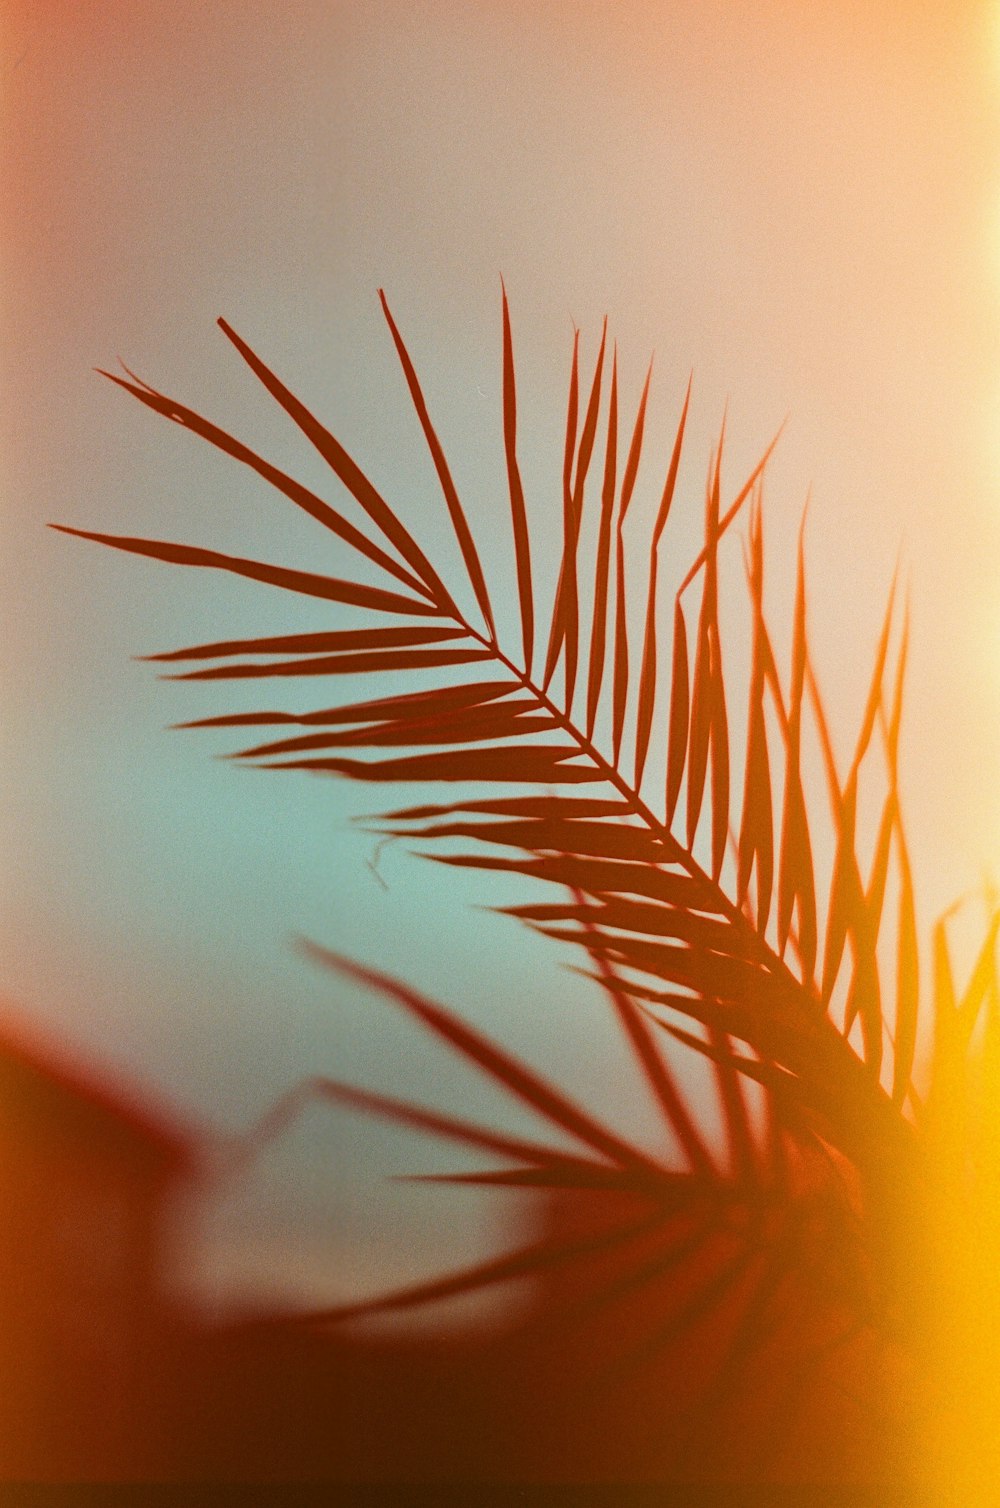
point(459, 521)
point(519, 520)
point(349, 473)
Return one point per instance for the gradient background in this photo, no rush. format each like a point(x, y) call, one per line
point(800, 201)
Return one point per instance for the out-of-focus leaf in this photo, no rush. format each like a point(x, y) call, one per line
point(907, 979)
point(401, 1112)
point(741, 1147)
point(536, 1258)
point(519, 1080)
point(655, 1069)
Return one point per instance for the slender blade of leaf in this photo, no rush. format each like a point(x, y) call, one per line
point(732, 511)
point(293, 490)
point(349, 473)
point(647, 674)
point(368, 663)
point(305, 582)
point(603, 567)
point(459, 521)
point(537, 766)
point(519, 518)
point(331, 642)
point(621, 672)
point(719, 751)
point(572, 417)
point(678, 732)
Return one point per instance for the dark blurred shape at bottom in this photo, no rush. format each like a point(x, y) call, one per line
point(687, 1347)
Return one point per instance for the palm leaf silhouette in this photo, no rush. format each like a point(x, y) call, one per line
point(699, 912)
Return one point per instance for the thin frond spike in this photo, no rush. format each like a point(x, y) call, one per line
point(647, 673)
point(733, 509)
point(308, 584)
point(572, 419)
point(302, 496)
point(621, 653)
point(519, 518)
point(702, 688)
point(569, 608)
point(678, 730)
point(598, 630)
point(460, 523)
point(347, 470)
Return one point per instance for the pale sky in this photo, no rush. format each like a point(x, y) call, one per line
point(800, 202)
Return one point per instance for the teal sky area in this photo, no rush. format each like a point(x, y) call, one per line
point(800, 203)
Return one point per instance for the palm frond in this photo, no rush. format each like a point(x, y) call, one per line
point(668, 929)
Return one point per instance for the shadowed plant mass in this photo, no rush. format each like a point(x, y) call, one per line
point(607, 751)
